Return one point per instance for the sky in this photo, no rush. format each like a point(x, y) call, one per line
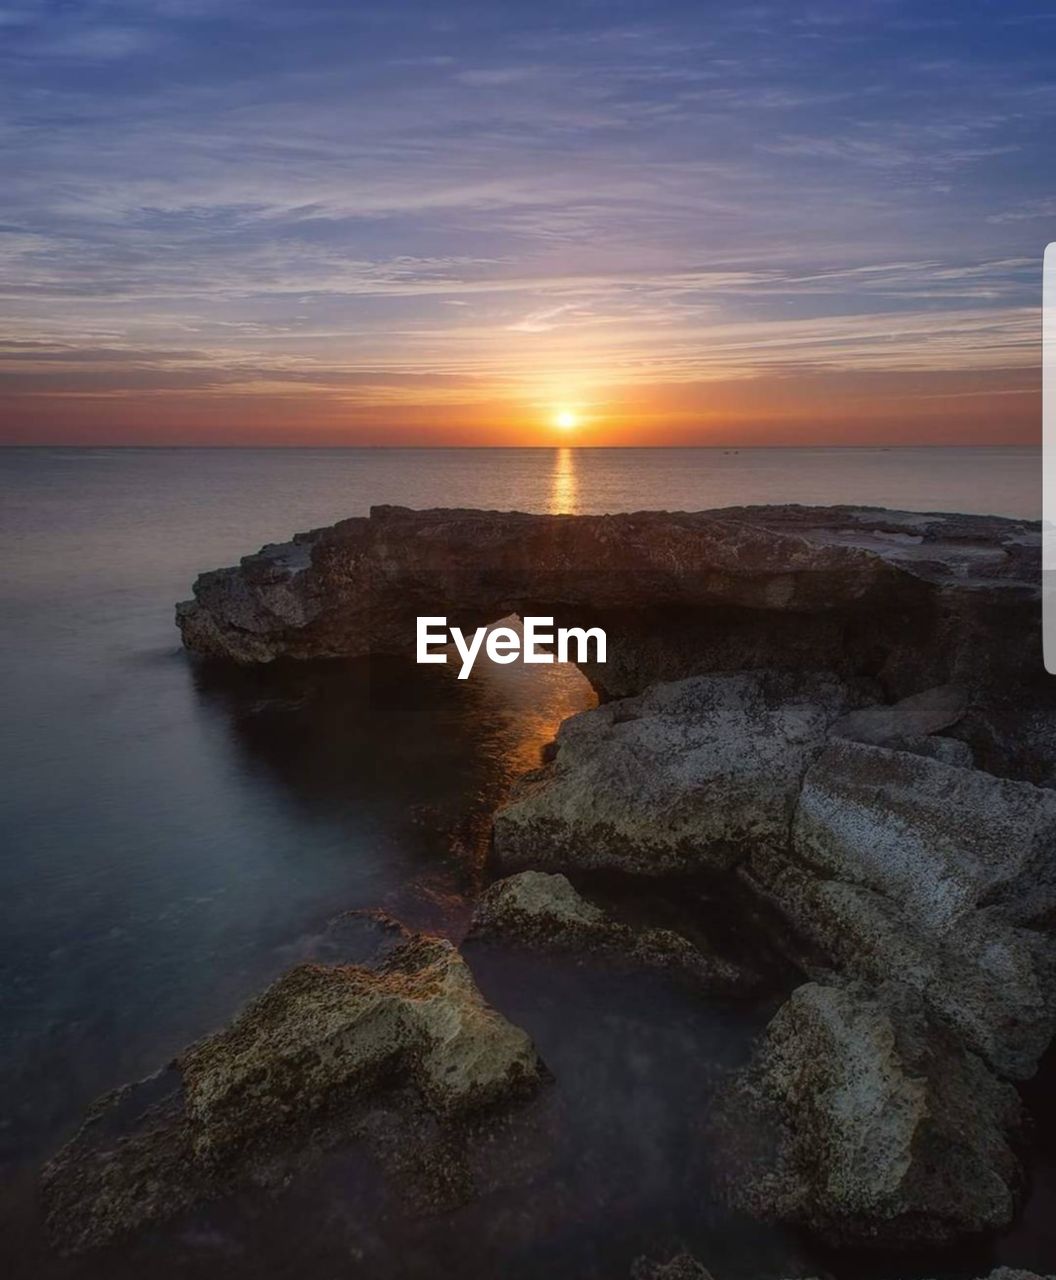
point(462, 222)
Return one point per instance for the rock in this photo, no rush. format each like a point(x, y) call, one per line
point(688, 776)
point(320, 1029)
point(1013, 1273)
point(913, 717)
point(545, 911)
point(945, 750)
point(132, 1163)
point(945, 876)
point(682, 1266)
point(535, 904)
point(918, 600)
point(288, 1074)
point(864, 1121)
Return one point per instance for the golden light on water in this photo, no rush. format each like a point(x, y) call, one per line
point(564, 485)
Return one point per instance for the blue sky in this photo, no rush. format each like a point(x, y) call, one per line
point(224, 221)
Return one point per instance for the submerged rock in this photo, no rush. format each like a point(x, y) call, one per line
point(545, 911)
point(945, 876)
point(866, 1122)
point(689, 776)
point(319, 1042)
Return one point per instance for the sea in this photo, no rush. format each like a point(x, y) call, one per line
point(174, 837)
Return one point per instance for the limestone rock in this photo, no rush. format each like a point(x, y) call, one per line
point(682, 1266)
point(544, 910)
point(290, 1074)
point(945, 876)
point(320, 1029)
point(689, 776)
point(917, 716)
point(864, 1121)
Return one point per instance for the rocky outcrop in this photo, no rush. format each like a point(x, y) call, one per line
point(885, 861)
point(318, 1042)
point(690, 776)
point(545, 911)
point(320, 1029)
point(945, 876)
point(866, 1122)
point(916, 600)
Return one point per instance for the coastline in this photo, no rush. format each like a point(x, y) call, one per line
point(797, 748)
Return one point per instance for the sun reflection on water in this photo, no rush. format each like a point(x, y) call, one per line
point(564, 484)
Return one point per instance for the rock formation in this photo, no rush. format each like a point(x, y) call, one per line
point(321, 1039)
point(885, 860)
point(864, 1121)
point(545, 911)
point(844, 710)
point(917, 601)
point(945, 876)
point(689, 776)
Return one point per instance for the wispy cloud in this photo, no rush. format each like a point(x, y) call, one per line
point(236, 197)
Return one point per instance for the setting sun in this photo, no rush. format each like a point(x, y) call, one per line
point(566, 419)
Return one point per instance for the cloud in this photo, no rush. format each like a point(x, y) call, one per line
point(304, 194)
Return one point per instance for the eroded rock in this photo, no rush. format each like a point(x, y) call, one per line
point(688, 776)
point(916, 600)
point(324, 1028)
point(943, 875)
point(544, 910)
point(915, 717)
point(683, 1266)
point(239, 1105)
point(863, 1120)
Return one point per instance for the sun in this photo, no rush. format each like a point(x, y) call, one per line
point(566, 419)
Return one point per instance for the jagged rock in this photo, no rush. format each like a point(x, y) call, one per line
point(687, 776)
point(324, 1028)
point(682, 1266)
point(1013, 1273)
point(945, 876)
point(919, 600)
point(544, 910)
point(914, 717)
point(318, 1041)
point(863, 1120)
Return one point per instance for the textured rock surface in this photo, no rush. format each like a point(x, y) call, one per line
point(545, 911)
point(862, 1120)
point(688, 776)
point(887, 860)
point(919, 600)
point(318, 1043)
point(914, 717)
point(945, 876)
point(322, 1028)
point(682, 1266)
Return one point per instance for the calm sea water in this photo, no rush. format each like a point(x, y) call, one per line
point(173, 839)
